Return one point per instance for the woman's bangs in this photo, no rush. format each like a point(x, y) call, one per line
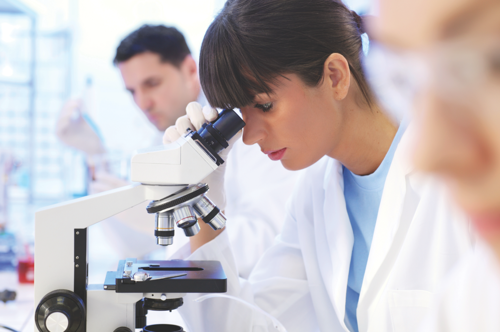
point(228, 77)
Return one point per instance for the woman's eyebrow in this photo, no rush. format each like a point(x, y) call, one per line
point(261, 96)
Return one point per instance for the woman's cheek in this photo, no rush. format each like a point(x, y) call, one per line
point(479, 195)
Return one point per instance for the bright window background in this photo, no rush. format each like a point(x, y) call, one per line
point(75, 41)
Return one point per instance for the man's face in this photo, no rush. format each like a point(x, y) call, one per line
point(160, 89)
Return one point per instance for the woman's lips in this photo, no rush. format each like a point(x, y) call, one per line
point(276, 154)
point(486, 224)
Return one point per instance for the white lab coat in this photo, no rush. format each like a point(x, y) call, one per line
point(257, 190)
point(470, 298)
point(301, 280)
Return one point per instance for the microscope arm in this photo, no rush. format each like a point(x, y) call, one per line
point(55, 231)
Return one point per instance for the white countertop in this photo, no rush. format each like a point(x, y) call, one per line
point(17, 314)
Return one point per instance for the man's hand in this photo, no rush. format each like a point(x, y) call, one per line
point(74, 130)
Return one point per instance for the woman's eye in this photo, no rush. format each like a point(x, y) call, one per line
point(264, 107)
point(495, 62)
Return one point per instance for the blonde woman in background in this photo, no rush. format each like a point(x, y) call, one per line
point(457, 44)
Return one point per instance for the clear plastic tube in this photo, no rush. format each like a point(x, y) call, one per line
point(277, 324)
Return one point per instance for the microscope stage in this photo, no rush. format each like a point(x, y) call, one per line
point(173, 276)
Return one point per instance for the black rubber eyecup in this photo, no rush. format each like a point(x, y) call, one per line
point(163, 328)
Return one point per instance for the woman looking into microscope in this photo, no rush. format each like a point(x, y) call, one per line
point(366, 239)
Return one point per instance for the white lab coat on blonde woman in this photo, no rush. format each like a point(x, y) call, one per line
point(470, 298)
point(302, 279)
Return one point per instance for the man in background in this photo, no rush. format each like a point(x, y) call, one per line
point(160, 73)
point(158, 70)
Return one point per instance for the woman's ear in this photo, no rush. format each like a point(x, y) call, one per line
point(337, 75)
point(189, 70)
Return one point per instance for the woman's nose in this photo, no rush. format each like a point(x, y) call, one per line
point(253, 132)
point(447, 142)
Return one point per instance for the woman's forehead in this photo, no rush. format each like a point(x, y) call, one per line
point(485, 21)
point(480, 21)
point(401, 21)
point(276, 85)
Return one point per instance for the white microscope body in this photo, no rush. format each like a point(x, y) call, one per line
point(61, 243)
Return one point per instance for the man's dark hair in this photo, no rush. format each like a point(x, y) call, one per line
point(167, 42)
point(251, 43)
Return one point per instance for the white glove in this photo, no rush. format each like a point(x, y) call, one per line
point(196, 116)
point(73, 130)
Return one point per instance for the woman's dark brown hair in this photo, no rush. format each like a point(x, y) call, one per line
point(253, 42)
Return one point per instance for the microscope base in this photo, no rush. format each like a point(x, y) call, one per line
point(122, 302)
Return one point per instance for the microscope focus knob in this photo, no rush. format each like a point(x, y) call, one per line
point(57, 322)
point(123, 329)
point(60, 311)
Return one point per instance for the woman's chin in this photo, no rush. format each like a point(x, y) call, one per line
point(292, 164)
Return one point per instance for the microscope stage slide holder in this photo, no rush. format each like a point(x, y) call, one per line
point(188, 277)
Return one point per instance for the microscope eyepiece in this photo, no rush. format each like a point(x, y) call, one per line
point(217, 134)
point(229, 123)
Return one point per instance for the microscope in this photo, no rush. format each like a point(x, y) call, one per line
point(169, 177)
